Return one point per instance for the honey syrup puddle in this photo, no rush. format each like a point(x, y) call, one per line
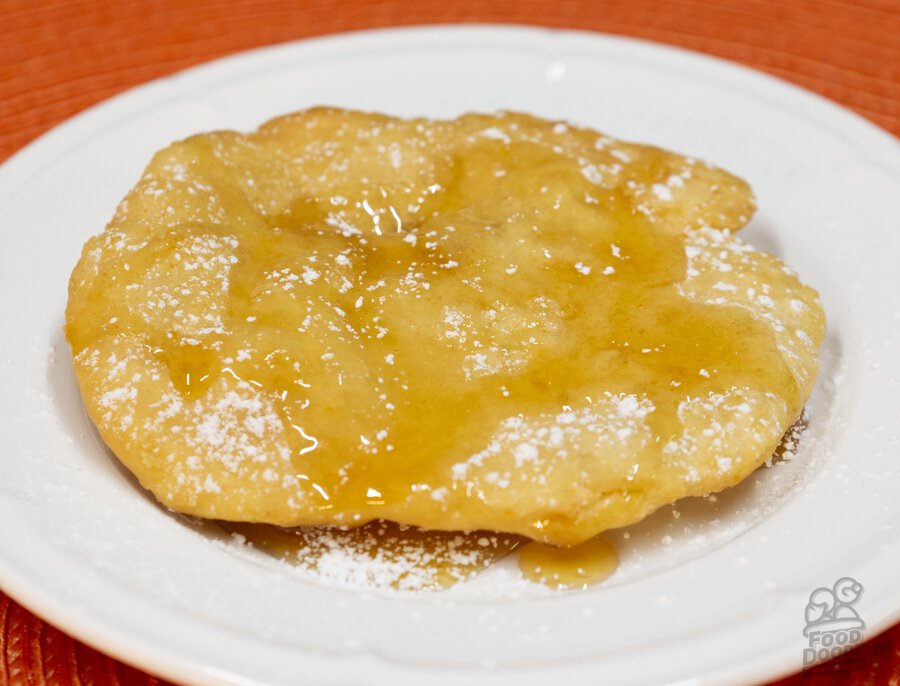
point(578, 566)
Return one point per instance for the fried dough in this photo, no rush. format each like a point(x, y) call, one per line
point(493, 322)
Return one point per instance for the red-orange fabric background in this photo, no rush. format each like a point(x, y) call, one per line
point(58, 57)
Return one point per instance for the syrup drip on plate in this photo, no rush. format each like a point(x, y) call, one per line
point(577, 566)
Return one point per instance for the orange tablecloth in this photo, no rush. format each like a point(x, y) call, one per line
point(58, 57)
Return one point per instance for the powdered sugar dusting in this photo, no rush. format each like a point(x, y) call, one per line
point(381, 555)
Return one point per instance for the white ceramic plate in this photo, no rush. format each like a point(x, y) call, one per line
point(715, 596)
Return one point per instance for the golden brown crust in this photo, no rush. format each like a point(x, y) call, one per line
point(227, 326)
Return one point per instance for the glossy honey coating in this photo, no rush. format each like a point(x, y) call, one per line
point(494, 322)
